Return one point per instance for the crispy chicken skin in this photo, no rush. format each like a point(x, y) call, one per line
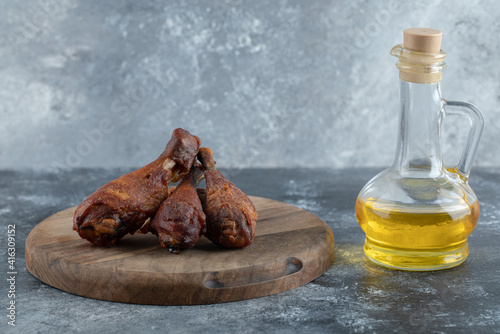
point(123, 205)
point(231, 215)
point(180, 220)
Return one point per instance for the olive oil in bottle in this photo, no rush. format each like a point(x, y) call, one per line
point(418, 214)
point(409, 237)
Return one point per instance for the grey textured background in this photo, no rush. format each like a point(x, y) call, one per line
point(264, 83)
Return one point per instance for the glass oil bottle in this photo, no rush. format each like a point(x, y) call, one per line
point(418, 214)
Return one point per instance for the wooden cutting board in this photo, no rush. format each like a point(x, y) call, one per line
point(291, 247)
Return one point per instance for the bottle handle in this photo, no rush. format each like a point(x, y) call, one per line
point(476, 129)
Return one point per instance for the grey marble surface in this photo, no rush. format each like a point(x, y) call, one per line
point(353, 296)
point(88, 83)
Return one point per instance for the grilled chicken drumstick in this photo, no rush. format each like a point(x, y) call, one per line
point(123, 205)
point(231, 216)
point(180, 220)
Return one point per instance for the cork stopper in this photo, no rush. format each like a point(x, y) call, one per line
point(422, 40)
point(421, 59)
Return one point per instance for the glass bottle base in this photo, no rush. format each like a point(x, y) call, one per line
point(416, 260)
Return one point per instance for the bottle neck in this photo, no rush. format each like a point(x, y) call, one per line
point(419, 142)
